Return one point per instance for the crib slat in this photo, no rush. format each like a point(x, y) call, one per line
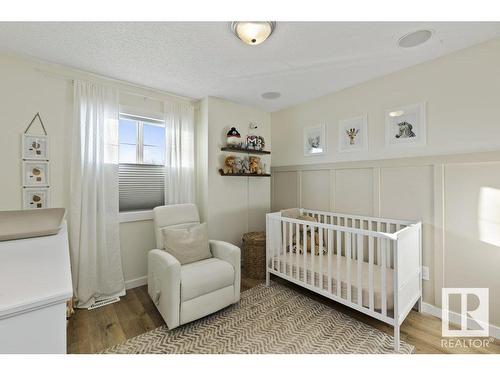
point(370, 273)
point(297, 252)
point(282, 263)
point(304, 253)
point(383, 285)
point(330, 259)
point(290, 244)
point(388, 255)
point(348, 258)
point(313, 251)
point(320, 249)
point(379, 262)
point(354, 246)
point(360, 269)
point(277, 247)
point(339, 251)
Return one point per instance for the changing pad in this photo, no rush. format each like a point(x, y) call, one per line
point(15, 225)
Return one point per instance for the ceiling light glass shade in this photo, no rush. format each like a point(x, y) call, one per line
point(253, 32)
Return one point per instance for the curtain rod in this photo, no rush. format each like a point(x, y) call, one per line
point(119, 84)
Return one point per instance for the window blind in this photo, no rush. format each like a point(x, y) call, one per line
point(141, 186)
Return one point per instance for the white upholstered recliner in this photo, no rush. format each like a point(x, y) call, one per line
point(183, 293)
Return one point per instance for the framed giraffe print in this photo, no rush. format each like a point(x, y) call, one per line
point(353, 134)
point(406, 126)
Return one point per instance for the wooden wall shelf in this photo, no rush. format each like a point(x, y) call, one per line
point(243, 174)
point(245, 151)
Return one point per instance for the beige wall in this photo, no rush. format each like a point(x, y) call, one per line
point(26, 90)
point(231, 205)
point(23, 93)
point(461, 92)
point(450, 193)
point(456, 197)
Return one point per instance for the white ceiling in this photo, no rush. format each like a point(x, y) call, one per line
point(301, 60)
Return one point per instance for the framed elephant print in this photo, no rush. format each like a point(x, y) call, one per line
point(314, 140)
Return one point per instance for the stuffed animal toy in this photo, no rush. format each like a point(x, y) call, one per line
point(239, 165)
point(300, 243)
point(254, 165)
point(245, 165)
point(230, 165)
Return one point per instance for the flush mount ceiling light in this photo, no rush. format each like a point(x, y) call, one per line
point(271, 95)
point(253, 32)
point(415, 38)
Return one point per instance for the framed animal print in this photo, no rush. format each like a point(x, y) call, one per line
point(406, 125)
point(314, 140)
point(35, 198)
point(35, 173)
point(353, 134)
point(35, 147)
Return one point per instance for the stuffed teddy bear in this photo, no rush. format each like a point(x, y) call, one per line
point(254, 165)
point(229, 165)
point(298, 244)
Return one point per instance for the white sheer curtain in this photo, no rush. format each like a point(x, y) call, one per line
point(94, 226)
point(179, 162)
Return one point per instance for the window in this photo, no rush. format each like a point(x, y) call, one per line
point(142, 160)
point(142, 141)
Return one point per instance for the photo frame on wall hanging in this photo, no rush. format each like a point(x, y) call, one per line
point(406, 126)
point(36, 198)
point(353, 134)
point(35, 147)
point(35, 173)
point(314, 142)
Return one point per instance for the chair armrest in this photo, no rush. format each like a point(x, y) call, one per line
point(231, 254)
point(164, 285)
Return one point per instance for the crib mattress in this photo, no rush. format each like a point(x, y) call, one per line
point(289, 261)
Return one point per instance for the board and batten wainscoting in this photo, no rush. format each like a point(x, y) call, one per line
point(457, 198)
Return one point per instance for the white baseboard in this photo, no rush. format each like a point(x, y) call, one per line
point(455, 318)
point(134, 283)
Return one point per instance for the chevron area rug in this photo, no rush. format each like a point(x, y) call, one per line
point(267, 320)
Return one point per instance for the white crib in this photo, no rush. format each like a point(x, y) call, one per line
point(370, 264)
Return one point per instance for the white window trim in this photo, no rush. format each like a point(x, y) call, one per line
point(130, 216)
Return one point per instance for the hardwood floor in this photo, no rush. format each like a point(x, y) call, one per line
point(94, 330)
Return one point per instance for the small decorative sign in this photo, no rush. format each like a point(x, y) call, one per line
point(35, 147)
point(35, 173)
point(35, 198)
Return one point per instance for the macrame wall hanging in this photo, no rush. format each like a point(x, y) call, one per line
point(35, 167)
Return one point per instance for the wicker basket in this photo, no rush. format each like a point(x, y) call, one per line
point(254, 255)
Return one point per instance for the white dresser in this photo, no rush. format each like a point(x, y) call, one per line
point(35, 283)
